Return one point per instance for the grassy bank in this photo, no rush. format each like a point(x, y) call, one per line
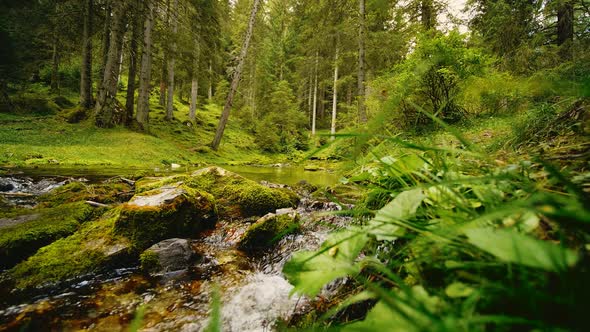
point(41, 136)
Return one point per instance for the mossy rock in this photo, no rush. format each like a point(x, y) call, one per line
point(268, 230)
point(106, 193)
point(25, 233)
point(74, 115)
point(29, 104)
point(149, 261)
point(238, 197)
point(166, 212)
point(89, 249)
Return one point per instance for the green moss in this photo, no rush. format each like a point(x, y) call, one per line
point(42, 228)
point(187, 214)
point(149, 261)
point(239, 197)
point(85, 251)
point(106, 193)
point(268, 230)
point(74, 115)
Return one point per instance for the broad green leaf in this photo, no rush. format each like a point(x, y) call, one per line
point(407, 313)
point(513, 247)
point(309, 271)
point(458, 289)
point(404, 206)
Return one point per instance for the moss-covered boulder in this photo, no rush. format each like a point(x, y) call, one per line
point(89, 249)
point(106, 193)
point(166, 212)
point(239, 197)
point(22, 234)
point(268, 230)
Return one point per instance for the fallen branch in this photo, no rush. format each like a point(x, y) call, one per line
point(96, 204)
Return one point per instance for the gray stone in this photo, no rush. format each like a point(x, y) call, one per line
point(173, 254)
point(165, 195)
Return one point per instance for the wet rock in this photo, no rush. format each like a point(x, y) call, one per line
point(167, 256)
point(22, 235)
point(269, 229)
point(6, 185)
point(169, 211)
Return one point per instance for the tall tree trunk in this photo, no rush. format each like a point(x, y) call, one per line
point(143, 99)
point(170, 64)
point(194, 84)
point(335, 94)
point(565, 21)
point(55, 64)
point(106, 100)
point(315, 95)
point(427, 14)
point(133, 56)
point(164, 73)
point(309, 94)
point(106, 41)
point(210, 90)
point(86, 69)
point(236, 79)
point(361, 74)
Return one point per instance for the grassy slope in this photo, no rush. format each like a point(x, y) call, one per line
point(34, 140)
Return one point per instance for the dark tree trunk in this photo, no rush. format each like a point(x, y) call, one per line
point(106, 100)
point(133, 56)
point(427, 14)
point(361, 73)
point(55, 65)
point(170, 64)
point(106, 41)
point(236, 78)
point(86, 70)
point(143, 99)
point(565, 21)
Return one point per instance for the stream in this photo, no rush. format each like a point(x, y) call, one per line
point(254, 293)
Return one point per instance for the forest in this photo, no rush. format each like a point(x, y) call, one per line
point(286, 165)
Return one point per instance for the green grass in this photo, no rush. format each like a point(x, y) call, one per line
point(28, 139)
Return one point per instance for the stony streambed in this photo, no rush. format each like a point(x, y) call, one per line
point(253, 291)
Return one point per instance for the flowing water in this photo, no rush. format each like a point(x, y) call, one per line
point(253, 291)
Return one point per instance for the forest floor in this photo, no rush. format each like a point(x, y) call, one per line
point(42, 136)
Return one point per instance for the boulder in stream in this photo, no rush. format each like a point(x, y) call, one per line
point(168, 211)
point(167, 256)
point(269, 229)
point(236, 197)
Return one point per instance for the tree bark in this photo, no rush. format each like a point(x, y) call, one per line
point(194, 84)
point(361, 72)
point(106, 41)
point(143, 99)
point(210, 90)
point(427, 14)
point(236, 78)
point(315, 95)
point(170, 64)
point(86, 70)
point(164, 74)
point(106, 101)
point(335, 94)
point(55, 65)
point(565, 21)
point(133, 56)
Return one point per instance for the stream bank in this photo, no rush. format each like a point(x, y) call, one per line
point(253, 290)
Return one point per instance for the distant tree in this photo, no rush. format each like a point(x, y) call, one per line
point(106, 101)
point(143, 100)
point(86, 68)
point(236, 78)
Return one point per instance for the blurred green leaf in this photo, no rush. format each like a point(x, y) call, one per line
point(513, 247)
point(309, 271)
